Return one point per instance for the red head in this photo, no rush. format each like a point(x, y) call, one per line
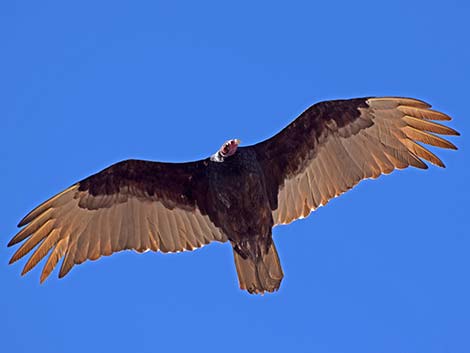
point(228, 149)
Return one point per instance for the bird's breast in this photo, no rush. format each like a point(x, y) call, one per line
point(238, 196)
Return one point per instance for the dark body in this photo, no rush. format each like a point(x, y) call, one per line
point(236, 195)
point(237, 187)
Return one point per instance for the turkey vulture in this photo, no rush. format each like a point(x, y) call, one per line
point(238, 194)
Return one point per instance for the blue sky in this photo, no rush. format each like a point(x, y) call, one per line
point(383, 268)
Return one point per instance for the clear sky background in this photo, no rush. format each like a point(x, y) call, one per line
point(383, 268)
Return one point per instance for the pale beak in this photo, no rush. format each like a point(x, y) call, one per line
point(237, 141)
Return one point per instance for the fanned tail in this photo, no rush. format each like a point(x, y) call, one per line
point(260, 274)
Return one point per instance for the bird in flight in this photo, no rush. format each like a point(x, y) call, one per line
point(238, 194)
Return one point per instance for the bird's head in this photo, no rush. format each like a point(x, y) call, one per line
point(228, 149)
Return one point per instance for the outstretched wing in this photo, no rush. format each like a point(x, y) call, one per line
point(133, 204)
point(334, 145)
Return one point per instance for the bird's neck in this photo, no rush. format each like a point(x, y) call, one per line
point(217, 157)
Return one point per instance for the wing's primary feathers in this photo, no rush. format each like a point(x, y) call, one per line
point(133, 204)
point(334, 145)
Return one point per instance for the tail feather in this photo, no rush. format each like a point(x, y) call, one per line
point(259, 275)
